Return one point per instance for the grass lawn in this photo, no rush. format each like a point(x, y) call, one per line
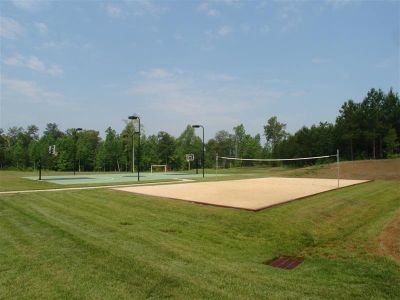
point(13, 180)
point(109, 244)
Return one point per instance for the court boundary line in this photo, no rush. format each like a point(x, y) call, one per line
point(182, 180)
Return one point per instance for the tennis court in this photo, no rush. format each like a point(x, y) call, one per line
point(118, 177)
point(249, 194)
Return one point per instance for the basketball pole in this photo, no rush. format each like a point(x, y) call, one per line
point(216, 165)
point(337, 166)
point(202, 156)
point(40, 167)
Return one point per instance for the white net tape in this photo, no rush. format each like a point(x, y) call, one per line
point(277, 159)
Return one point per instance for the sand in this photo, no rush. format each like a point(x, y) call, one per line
point(249, 194)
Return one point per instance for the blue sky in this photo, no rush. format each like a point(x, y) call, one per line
point(220, 63)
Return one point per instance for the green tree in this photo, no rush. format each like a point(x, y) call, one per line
point(348, 124)
point(371, 108)
point(150, 151)
point(87, 147)
point(274, 133)
point(238, 135)
point(166, 149)
point(252, 146)
point(101, 157)
point(64, 160)
point(34, 152)
point(17, 147)
point(211, 149)
point(391, 111)
point(225, 142)
point(3, 148)
point(113, 150)
point(129, 138)
point(391, 141)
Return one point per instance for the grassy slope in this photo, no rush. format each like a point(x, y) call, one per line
point(107, 244)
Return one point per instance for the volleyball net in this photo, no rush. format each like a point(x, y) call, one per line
point(222, 162)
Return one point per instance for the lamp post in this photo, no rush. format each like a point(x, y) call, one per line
point(133, 144)
point(138, 154)
point(202, 157)
point(75, 140)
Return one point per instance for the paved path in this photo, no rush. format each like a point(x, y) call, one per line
point(93, 187)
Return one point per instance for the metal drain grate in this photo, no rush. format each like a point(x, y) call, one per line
point(285, 262)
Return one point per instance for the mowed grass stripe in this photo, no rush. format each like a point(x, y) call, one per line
point(53, 219)
point(72, 244)
point(89, 253)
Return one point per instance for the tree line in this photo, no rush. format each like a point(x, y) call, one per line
point(368, 129)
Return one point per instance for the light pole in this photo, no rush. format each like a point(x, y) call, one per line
point(133, 144)
point(75, 140)
point(202, 157)
point(138, 155)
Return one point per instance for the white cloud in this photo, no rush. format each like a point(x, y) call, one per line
point(9, 28)
point(205, 8)
point(339, 3)
point(133, 8)
point(36, 64)
point(114, 10)
point(202, 6)
point(277, 81)
point(290, 16)
point(178, 36)
point(220, 77)
point(29, 5)
point(15, 60)
point(29, 91)
point(224, 30)
point(211, 36)
point(298, 93)
point(54, 70)
point(156, 73)
point(232, 3)
point(41, 27)
point(143, 7)
point(213, 13)
point(53, 44)
point(64, 44)
point(189, 97)
point(320, 60)
point(33, 63)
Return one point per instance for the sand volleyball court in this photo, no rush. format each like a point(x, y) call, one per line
point(249, 194)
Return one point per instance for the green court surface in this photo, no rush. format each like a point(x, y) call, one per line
point(118, 177)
